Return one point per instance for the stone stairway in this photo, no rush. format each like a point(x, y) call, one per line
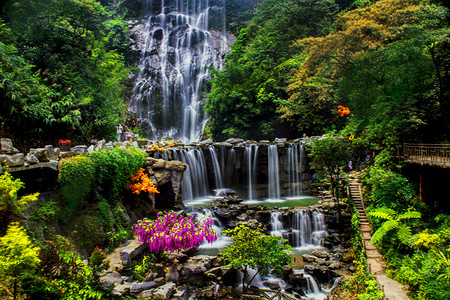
point(392, 289)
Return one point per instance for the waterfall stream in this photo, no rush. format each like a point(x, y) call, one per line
point(274, 176)
point(178, 47)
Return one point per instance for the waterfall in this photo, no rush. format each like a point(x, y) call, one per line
point(248, 157)
point(294, 153)
point(274, 179)
point(276, 224)
point(195, 181)
point(216, 166)
point(307, 228)
point(178, 47)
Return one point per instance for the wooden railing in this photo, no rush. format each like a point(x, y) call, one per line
point(431, 154)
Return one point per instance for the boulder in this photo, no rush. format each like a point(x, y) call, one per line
point(100, 145)
point(163, 177)
point(309, 258)
point(41, 154)
point(320, 254)
point(109, 280)
point(51, 152)
point(192, 268)
point(31, 159)
point(80, 149)
point(131, 251)
point(121, 289)
point(164, 292)
point(145, 294)
point(6, 146)
point(12, 160)
point(56, 152)
point(172, 273)
point(108, 146)
point(139, 287)
point(176, 166)
point(91, 149)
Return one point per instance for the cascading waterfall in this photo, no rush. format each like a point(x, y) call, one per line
point(295, 153)
point(274, 178)
point(216, 166)
point(308, 228)
point(177, 50)
point(195, 181)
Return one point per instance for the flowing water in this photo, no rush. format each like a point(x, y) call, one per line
point(178, 47)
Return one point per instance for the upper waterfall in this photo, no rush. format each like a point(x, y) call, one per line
point(179, 42)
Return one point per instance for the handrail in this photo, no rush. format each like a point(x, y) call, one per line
point(427, 153)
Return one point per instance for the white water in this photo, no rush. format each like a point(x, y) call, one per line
point(177, 50)
point(274, 177)
point(216, 166)
point(195, 181)
point(295, 153)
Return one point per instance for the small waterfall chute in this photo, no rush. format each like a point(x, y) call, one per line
point(274, 177)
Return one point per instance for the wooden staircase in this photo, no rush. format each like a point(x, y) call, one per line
point(354, 192)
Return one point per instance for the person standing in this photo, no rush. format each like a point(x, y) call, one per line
point(119, 132)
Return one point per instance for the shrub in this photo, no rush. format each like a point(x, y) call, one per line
point(173, 232)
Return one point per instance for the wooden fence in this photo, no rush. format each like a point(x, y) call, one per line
point(428, 154)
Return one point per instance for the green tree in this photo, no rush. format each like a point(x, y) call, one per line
point(18, 256)
point(330, 155)
point(252, 249)
point(244, 96)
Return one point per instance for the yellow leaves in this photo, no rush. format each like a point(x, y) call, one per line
point(157, 148)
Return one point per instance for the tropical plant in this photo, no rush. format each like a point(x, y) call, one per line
point(18, 256)
point(393, 221)
point(173, 232)
point(252, 249)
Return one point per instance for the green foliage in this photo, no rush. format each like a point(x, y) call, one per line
point(140, 270)
point(427, 273)
point(98, 262)
point(393, 221)
point(388, 188)
point(18, 256)
point(363, 284)
point(45, 211)
point(329, 156)
point(97, 176)
point(70, 74)
point(244, 96)
point(252, 249)
point(9, 202)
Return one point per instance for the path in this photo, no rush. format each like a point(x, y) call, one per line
point(393, 290)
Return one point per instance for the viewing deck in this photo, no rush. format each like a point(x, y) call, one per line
point(427, 154)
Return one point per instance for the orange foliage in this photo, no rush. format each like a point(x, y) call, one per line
point(157, 148)
point(342, 110)
point(171, 144)
point(141, 183)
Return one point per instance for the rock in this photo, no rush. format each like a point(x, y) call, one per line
point(139, 287)
point(206, 260)
point(309, 258)
point(280, 141)
point(51, 152)
point(176, 166)
point(56, 152)
point(80, 149)
point(91, 149)
point(156, 164)
point(110, 279)
point(31, 159)
point(335, 265)
point(160, 281)
point(41, 154)
point(67, 154)
point(234, 141)
point(217, 273)
point(145, 294)
point(352, 268)
point(12, 160)
point(119, 290)
point(6, 146)
point(320, 254)
point(100, 145)
point(192, 268)
point(179, 256)
point(163, 177)
point(348, 257)
point(164, 292)
point(108, 146)
point(207, 142)
point(172, 273)
point(129, 252)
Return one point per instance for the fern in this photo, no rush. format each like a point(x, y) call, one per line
point(383, 213)
point(383, 230)
point(404, 234)
point(410, 215)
